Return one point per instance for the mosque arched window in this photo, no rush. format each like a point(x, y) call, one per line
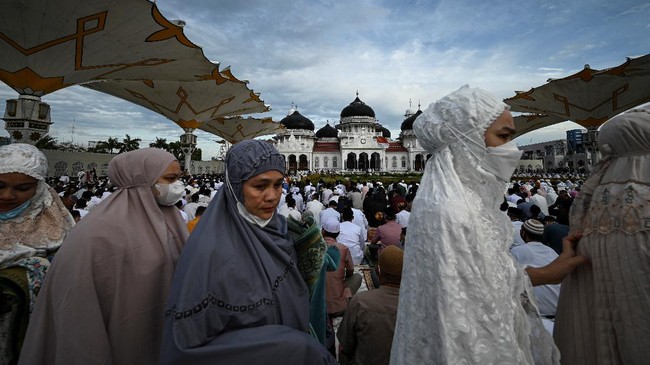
point(316, 162)
point(303, 163)
point(60, 168)
point(76, 167)
point(325, 161)
point(403, 162)
point(335, 162)
point(394, 162)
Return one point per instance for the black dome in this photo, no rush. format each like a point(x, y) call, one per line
point(327, 132)
point(384, 131)
point(357, 108)
point(407, 124)
point(297, 121)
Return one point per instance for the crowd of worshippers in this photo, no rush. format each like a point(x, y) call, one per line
point(152, 266)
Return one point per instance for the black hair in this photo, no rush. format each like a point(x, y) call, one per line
point(330, 234)
point(291, 202)
point(199, 210)
point(347, 214)
point(81, 203)
point(535, 210)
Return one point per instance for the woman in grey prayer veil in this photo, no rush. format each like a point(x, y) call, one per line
point(237, 296)
point(602, 314)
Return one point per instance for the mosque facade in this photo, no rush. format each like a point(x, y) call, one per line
point(357, 143)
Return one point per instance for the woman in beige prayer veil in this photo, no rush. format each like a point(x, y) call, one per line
point(603, 314)
point(104, 297)
point(33, 224)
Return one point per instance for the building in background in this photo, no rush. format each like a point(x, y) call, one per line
point(576, 153)
point(358, 143)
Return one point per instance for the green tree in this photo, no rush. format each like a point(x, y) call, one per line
point(47, 143)
point(111, 145)
point(160, 143)
point(197, 155)
point(176, 150)
point(129, 144)
point(100, 147)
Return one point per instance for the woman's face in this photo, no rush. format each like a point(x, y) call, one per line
point(262, 193)
point(501, 130)
point(16, 189)
point(171, 174)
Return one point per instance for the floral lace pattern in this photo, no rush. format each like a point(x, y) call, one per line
point(38, 231)
point(463, 298)
point(618, 208)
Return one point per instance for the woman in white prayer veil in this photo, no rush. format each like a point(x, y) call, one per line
point(463, 298)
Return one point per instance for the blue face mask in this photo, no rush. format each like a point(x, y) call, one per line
point(14, 212)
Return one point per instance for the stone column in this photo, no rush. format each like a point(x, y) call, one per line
point(188, 145)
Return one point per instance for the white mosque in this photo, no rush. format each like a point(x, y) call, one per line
point(358, 143)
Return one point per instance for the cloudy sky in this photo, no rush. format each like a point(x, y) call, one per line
point(318, 54)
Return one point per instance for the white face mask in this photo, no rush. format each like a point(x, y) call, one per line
point(502, 160)
point(250, 217)
point(169, 193)
point(241, 209)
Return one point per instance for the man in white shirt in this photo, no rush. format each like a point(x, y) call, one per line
point(361, 221)
point(535, 254)
point(539, 200)
point(402, 218)
point(337, 195)
point(299, 200)
point(330, 212)
point(516, 215)
point(65, 179)
point(218, 185)
point(350, 235)
point(512, 196)
point(179, 205)
point(315, 206)
point(307, 189)
point(291, 210)
point(190, 208)
point(326, 195)
point(355, 196)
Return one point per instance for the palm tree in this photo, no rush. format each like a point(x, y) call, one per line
point(129, 144)
point(111, 144)
point(100, 147)
point(47, 143)
point(160, 143)
point(197, 155)
point(176, 150)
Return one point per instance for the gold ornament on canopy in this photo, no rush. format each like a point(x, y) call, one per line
point(48, 45)
point(589, 97)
